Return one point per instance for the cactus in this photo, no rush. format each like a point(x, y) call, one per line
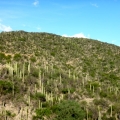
point(83, 82)
point(15, 67)
point(116, 91)
point(23, 72)
point(93, 89)
point(87, 113)
point(90, 87)
point(29, 100)
point(99, 113)
point(35, 88)
point(69, 73)
point(111, 110)
point(60, 79)
point(29, 67)
point(13, 92)
point(39, 105)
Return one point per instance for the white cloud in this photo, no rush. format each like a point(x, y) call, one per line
point(5, 28)
point(79, 35)
point(94, 4)
point(36, 2)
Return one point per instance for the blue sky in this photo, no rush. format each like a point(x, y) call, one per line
point(96, 19)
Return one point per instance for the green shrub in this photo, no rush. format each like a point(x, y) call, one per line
point(103, 94)
point(5, 87)
point(35, 72)
point(2, 56)
point(53, 54)
point(17, 57)
point(8, 113)
point(68, 110)
point(22, 39)
point(40, 113)
point(8, 58)
point(65, 91)
point(45, 104)
point(40, 96)
point(33, 59)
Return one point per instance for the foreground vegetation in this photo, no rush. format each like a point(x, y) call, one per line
point(49, 77)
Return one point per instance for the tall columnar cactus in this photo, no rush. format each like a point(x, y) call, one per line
point(116, 116)
point(13, 90)
point(35, 88)
point(15, 67)
point(93, 89)
point(20, 74)
point(111, 110)
point(39, 104)
point(60, 79)
point(116, 90)
point(52, 67)
point(23, 73)
point(90, 87)
point(5, 115)
point(46, 68)
point(74, 77)
point(29, 99)
point(39, 75)
point(69, 73)
point(87, 113)
point(86, 78)
point(99, 114)
point(29, 65)
point(42, 88)
point(83, 82)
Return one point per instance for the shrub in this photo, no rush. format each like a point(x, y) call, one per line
point(40, 113)
point(35, 72)
point(5, 87)
point(33, 59)
point(102, 102)
point(103, 94)
point(2, 56)
point(65, 91)
point(8, 113)
point(8, 58)
point(68, 110)
point(17, 57)
point(40, 96)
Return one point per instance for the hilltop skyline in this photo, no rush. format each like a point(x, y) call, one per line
point(79, 18)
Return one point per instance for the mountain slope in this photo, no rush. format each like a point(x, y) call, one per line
point(40, 70)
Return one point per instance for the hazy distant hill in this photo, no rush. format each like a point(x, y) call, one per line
point(45, 76)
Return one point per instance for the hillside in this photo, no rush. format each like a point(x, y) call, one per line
point(45, 76)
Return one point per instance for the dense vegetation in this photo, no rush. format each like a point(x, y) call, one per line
point(45, 76)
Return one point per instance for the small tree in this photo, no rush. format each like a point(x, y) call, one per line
point(68, 110)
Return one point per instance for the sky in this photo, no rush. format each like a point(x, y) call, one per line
point(95, 19)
